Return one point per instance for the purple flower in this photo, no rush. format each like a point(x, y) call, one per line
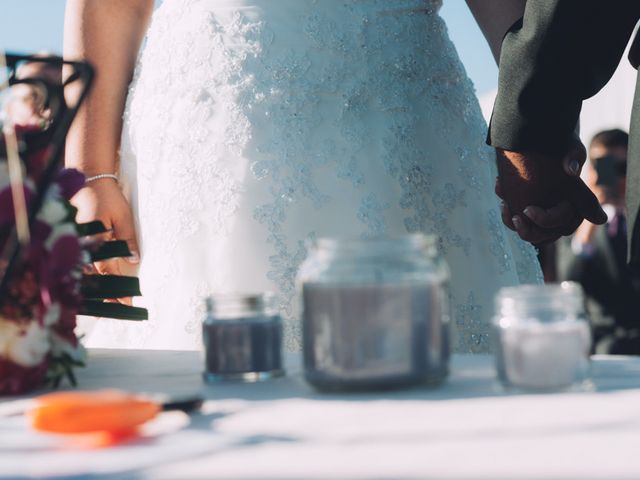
point(70, 181)
point(7, 214)
point(40, 231)
point(65, 258)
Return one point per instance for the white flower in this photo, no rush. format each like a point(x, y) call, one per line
point(52, 315)
point(60, 230)
point(24, 345)
point(8, 332)
point(54, 192)
point(52, 212)
point(59, 346)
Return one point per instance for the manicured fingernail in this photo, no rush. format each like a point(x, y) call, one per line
point(528, 212)
point(574, 167)
point(516, 221)
point(134, 258)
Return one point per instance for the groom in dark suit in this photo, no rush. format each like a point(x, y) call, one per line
point(561, 53)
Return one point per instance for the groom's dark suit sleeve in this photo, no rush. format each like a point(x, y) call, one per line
point(560, 53)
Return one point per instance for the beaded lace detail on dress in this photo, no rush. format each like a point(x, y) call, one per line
point(253, 126)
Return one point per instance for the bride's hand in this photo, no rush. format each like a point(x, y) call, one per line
point(103, 200)
point(544, 197)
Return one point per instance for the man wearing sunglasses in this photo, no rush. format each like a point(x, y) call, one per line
point(596, 255)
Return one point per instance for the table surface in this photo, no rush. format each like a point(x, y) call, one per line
point(280, 429)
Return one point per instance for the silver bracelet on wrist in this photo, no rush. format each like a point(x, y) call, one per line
point(101, 176)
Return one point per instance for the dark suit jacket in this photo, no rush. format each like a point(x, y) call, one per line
point(561, 53)
point(612, 289)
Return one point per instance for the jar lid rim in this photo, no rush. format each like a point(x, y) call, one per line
point(415, 240)
point(218, 300)
point(542, 290)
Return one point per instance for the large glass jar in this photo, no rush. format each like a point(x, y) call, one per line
point(375, 313)
point(542, 337)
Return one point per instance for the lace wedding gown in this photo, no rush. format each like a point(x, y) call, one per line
point(255, 125)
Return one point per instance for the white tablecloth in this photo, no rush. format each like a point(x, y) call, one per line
point(283, 429)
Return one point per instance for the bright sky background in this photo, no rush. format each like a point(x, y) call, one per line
point(28, 26)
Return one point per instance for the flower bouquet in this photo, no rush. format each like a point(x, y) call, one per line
point(45, 281)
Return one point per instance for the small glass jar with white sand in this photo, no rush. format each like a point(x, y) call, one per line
point(542, 337)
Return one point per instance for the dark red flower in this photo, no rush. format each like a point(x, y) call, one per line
point(63, 262)
point(66, 325)
point(7, 213)
point(23, 131)
point(65, 255)
point(16, 379)
point(36, 162)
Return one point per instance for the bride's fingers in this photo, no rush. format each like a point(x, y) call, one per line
point(125, 301)
point(506, 215)
point(122, 301)
point(89, 269)
point(498, 188)
point(548, 241)
point(534, 234)
point(108, 267)
point(124, 229)
point(531, 233)
point(523, 229)
point(559, 216)
point(113, 267)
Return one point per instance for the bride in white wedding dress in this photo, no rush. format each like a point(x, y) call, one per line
point(251, 126)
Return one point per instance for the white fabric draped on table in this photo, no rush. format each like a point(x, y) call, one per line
point(283, 429)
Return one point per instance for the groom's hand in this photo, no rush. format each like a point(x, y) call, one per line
point(544, 198)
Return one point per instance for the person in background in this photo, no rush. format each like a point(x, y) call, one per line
point(596, 255)
point(25, 104)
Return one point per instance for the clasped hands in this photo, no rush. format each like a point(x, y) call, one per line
point(543, 195)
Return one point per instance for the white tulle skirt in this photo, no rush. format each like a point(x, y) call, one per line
point(254, 125)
